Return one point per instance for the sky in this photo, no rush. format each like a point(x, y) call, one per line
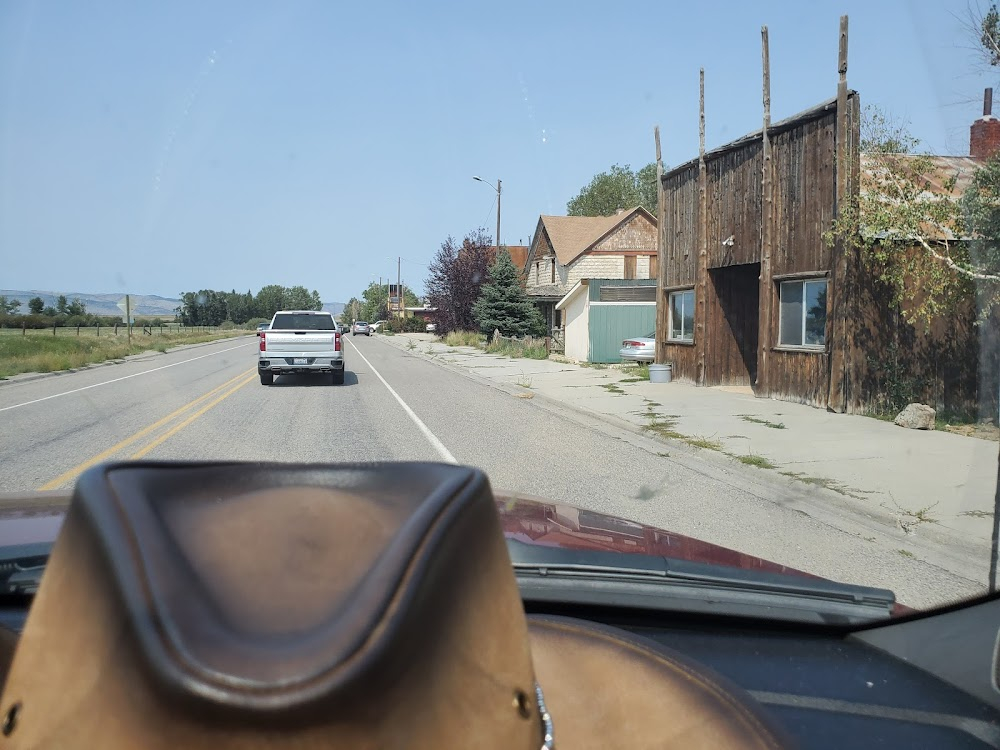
point(158, 148)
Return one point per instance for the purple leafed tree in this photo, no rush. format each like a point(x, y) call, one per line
point(456, 274)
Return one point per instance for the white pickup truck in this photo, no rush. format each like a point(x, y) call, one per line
point(301, 341)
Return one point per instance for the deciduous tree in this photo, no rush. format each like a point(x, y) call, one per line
point(618, 188)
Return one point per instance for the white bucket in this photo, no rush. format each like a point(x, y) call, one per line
point(660, 373)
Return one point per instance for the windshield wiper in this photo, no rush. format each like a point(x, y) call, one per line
point(583, 577)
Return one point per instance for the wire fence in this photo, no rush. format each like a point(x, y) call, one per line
point(165, 330)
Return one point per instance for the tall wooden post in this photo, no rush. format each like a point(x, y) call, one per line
point(660, 349)
point(701, 289)
point(845, 153)
point(764, 326)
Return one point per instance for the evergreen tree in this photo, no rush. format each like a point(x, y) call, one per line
point(502, 305)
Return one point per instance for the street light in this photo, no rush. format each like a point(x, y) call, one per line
point(497, 188)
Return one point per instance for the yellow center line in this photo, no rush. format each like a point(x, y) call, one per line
point(178, 427)
point(104, 455)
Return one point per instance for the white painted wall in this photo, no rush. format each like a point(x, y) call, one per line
point(577, 317)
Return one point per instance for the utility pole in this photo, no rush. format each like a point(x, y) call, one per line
point(399, 289)
point(128, 317)
point(498, 215)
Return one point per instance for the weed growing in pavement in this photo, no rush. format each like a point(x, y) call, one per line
point(905, 553)
point(708, 444)
point(613, 388)
point(630, 380)
point(663, 455)
point(765, 422)
point(751, 459)
point(524, 382)
point(411, 345)
point(594, 365)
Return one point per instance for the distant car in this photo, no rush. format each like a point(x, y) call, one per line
point(262, 327)
point(361, 327)
point(639, 349)
point(431, 327)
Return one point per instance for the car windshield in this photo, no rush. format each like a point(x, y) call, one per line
point(800, 205)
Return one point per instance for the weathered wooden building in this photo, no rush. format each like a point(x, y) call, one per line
point(750, 292)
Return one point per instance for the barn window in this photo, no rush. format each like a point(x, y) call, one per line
point(682, 315)
point(803, 313)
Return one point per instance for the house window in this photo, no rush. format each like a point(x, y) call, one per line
point(553, 271)
point(803, 313)
point(682, 315)
point(536, 271)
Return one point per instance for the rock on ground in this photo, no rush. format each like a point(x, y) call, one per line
point(916, 417)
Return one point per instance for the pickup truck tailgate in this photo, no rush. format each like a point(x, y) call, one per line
point(304, 342)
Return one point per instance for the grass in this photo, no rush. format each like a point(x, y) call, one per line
point(754, 460)
point(765, 422)
point(411, 345)
point(613, 388)
point(524, 382)
point(516, 350)
point(465, 338)
point(630, 380)
point(905, 553)
point(37, 352)
point(594, 365)
point(706, 443)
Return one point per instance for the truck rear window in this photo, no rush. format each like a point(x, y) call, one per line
point(299, 322)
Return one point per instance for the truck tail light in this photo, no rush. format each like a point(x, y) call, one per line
point(336, 342)
point(263, 341)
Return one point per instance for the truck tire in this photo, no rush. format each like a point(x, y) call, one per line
point(266, 378)
point(337, 377)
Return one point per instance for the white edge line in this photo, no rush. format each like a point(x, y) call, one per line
point(431, 437)
point(116, 380)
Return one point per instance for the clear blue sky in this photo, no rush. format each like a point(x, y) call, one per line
point(156, 148)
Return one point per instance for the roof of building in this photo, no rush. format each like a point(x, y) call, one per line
point(571, 236)
point(518, 254)
point(549, 291)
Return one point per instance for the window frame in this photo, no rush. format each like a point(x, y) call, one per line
point(802, 282)
point(670, 316)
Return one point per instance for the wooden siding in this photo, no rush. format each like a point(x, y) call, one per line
point(684, 360)
point(734, 207)
point(804, 181)
point(680, 227)
point(799, 376)
point(638, 234)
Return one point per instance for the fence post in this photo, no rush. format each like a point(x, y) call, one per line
point(24, 328)
point(78, 329)
point(98, 330)
point(53, 328)
point(116, 329)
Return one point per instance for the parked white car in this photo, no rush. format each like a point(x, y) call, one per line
point(639, 349)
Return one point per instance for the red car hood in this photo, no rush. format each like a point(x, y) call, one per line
point(535, 521)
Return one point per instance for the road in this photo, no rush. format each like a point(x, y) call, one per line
point(207, 403)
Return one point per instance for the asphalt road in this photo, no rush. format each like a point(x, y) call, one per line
point(207, 403)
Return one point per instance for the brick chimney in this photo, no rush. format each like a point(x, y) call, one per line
point(984, 135)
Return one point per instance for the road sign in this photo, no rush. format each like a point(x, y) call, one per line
point(123, 304)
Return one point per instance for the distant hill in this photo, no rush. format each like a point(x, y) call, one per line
point(100, 304)
point(335, 308)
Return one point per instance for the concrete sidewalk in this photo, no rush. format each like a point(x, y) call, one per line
point(911, 478)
